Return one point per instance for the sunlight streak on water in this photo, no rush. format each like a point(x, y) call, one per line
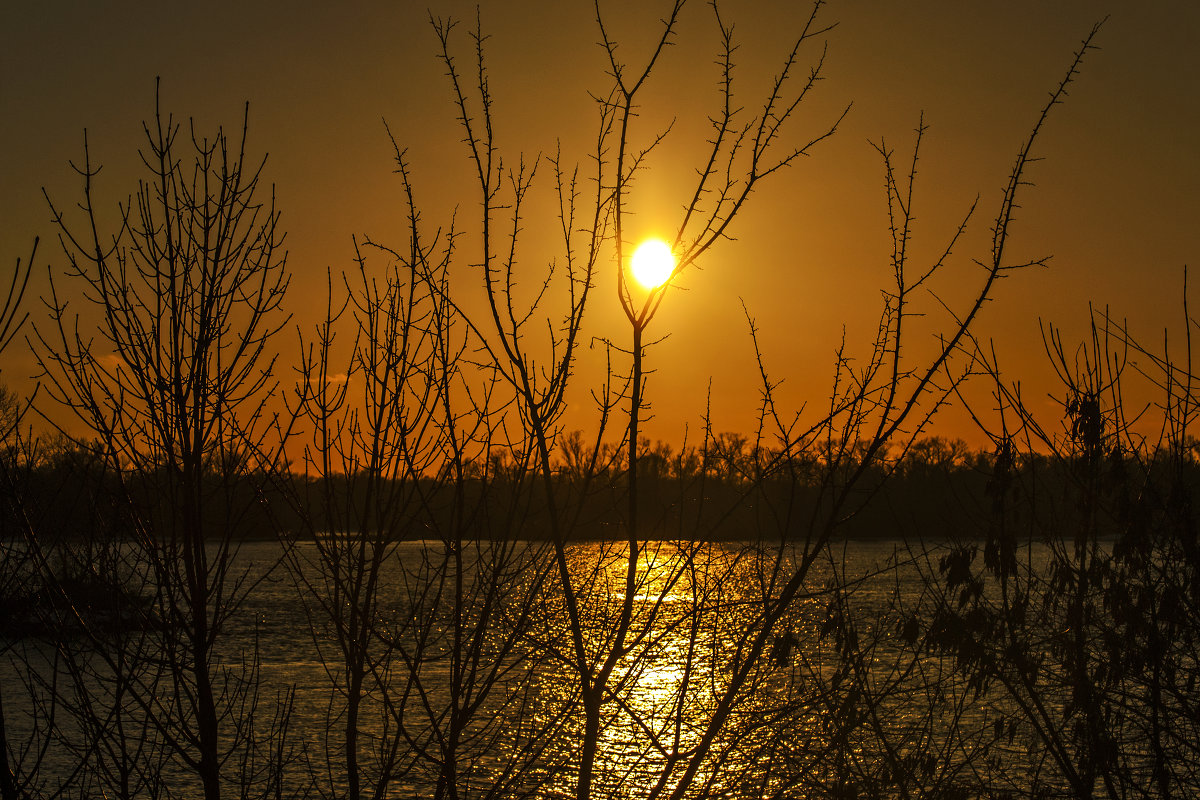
point(694, 610)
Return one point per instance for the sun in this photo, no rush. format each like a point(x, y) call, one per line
point(653, 263)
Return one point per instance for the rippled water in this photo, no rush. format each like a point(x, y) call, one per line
point(694, 612)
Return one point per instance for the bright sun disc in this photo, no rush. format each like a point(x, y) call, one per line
point(653, 263)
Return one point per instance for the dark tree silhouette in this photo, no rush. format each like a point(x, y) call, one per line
point(174, 391)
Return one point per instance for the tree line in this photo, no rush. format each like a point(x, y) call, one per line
point(937, 488)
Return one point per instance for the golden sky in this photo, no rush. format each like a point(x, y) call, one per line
point(1116, 202)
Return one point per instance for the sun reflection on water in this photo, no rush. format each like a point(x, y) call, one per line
point(693, 610)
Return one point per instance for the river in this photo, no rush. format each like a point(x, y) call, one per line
point(478, 645)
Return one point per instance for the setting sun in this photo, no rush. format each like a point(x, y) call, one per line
point(653, 263)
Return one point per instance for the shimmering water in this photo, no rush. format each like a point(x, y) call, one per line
point(453, 650)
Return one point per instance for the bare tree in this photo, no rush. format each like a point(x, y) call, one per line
point(14, 568)
point(1074, 619)
point(416, 581)
point(604, 657)
point(613, 612)
point(175, 393)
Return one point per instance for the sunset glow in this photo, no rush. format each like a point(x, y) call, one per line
point(653, 263)
point(599, 399)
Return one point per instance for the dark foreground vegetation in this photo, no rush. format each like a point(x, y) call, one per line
point(1036, 637)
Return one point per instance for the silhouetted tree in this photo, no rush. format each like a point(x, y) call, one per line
point(614, 602)
point(14, 567)
point(1073, 617)
point(174, 390)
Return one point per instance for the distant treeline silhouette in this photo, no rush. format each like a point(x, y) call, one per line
point(937, 488)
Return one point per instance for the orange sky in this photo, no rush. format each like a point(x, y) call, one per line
point(1116, 204)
